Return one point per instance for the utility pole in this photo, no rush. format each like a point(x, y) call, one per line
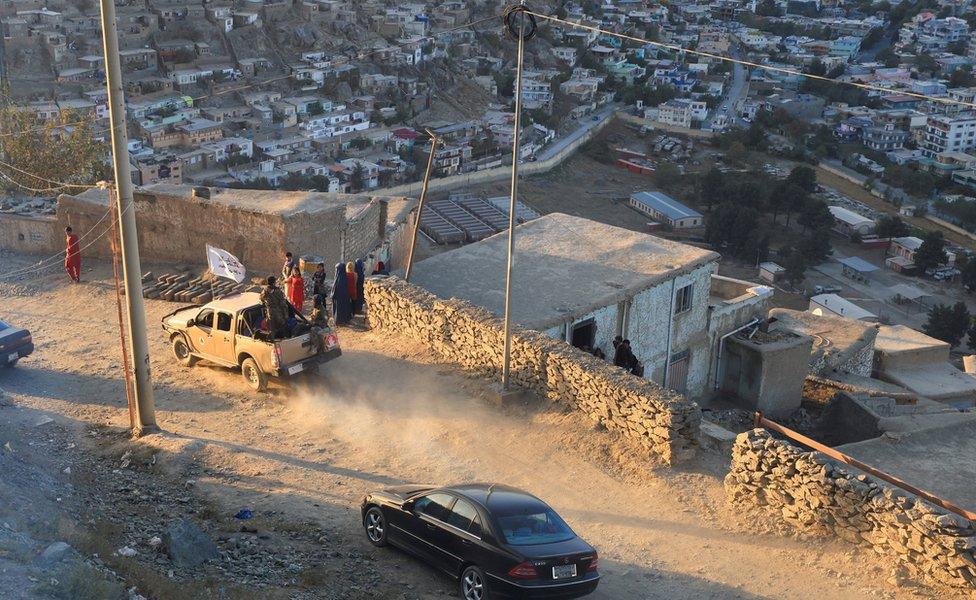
point(513, 200)
point(423, 199)
point(145, 421)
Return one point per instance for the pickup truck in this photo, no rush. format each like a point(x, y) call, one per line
point(226, 332)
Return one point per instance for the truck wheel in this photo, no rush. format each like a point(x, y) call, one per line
point(182, 352)
point(253, 375)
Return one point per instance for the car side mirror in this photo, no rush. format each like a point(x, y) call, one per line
point(190, 322)
point(408, 505)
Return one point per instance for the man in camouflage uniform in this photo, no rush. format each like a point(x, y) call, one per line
point(275, 308)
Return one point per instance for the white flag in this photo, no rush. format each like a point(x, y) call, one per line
point(224, 264)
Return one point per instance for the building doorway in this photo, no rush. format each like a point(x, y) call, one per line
point(678, 372)
point(584, 334)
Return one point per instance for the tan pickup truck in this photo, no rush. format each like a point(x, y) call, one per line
point(226, 332)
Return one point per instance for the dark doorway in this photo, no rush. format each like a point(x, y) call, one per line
point(584, 334)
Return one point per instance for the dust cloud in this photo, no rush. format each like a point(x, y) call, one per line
point(401, 414)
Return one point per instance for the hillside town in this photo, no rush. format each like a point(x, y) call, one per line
point(560, 298)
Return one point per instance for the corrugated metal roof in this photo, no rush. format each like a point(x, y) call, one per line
point(665, 205)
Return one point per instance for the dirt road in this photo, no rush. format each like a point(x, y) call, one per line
point(388, 413)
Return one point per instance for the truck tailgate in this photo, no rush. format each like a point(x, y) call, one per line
point(295, 349)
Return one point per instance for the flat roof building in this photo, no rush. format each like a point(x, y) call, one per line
point(665, 209)
point(585, 282)
point(827, 304)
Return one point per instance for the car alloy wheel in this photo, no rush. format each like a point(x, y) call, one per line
point(375, 526)
point(472, 585)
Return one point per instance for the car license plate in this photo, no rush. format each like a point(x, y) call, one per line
point(295, 369)
point(564, 571)
point(12, 357)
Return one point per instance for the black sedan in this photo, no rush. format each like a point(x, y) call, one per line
point(497, 541)
point(15, 344)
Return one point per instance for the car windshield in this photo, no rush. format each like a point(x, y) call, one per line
point(533, 525)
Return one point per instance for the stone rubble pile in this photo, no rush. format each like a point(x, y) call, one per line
point(811, 494)
point(663, 422)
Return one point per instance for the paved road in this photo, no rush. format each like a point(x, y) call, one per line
point(736, 91)
point(588, 123)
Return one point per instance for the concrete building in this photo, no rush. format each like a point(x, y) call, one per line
point(920, 363)
point(586, 282)
point(766, 370)
point(176, 222)
point(682, 113)
point(945, 133)
point(907, 246)
point(665, 209)
point(832, 304)
point(847, 222)
point(841, 346)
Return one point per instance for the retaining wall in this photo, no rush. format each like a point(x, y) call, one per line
point(502, 173)
point(661, 421)
point(811, 494)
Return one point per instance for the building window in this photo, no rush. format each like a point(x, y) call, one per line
point(682, 300)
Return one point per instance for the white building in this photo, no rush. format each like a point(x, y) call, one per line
point(832, 304)
point(907, 246)
point(588, 282)
point(847, 222)
point(536, 94)
point(945, 133)
point(681, 112)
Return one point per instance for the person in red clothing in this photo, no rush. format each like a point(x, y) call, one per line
point(296, 289)
point(352, 280)
point(72, 256)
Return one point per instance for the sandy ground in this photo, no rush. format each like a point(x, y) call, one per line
point(388, 413)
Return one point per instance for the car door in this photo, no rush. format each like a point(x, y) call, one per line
point(201, 331)
point(429, 527)
point(222, 338)
point(466, 542)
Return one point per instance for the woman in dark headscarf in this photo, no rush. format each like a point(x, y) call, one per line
point(341, 305)
point(360, 285)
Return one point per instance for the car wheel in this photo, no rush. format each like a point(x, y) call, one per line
point(182, 352)
point(253, 375)
point(375, 525)
point(474, 584)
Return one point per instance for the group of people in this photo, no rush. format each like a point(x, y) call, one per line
point(623, 356)
point(347, 290)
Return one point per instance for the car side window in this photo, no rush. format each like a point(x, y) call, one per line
point(205, 319)
point(223, 321)
point(436, 506)
point(463, 515)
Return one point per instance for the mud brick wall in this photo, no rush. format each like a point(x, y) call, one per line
point(662, 422)
point(811, 494)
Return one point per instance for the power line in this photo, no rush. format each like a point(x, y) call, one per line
point(746, 63)
point(60, 184)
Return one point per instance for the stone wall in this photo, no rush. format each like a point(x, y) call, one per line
point(31, 235)
point(662, 422)
point(813, 495)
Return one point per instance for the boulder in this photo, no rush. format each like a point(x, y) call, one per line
point(55, 554)
point(187, 545)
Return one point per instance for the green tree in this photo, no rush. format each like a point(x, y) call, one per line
point(61, 148)
point(796, 266)
point(932, 251)
point(948, 323)
point(667, 176)
point(969, 274)
point(804, 177)
point(971, 336)
point(710, 187)
point(814, 215)
point(357, 177)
